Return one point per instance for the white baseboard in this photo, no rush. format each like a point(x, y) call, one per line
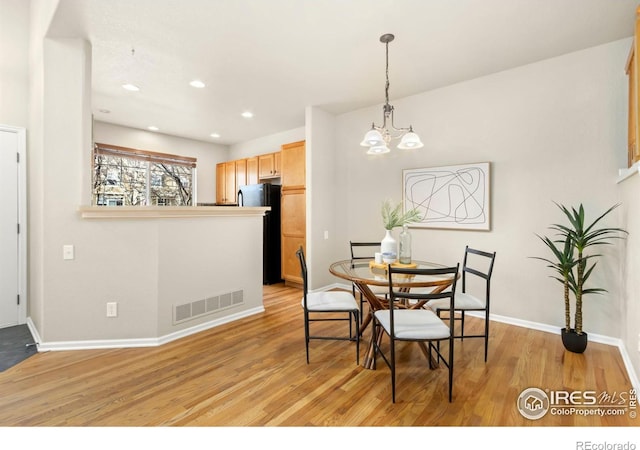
point(33, 330)
point(629, 366)
point(142, 342)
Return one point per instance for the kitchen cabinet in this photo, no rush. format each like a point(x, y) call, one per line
point(293, 228)
point(293, 164)
point(230, 175)
point(252, 170)
point(269, 165)
point(226, 183)
point(220, 178)
point(277, 158)
point(293, 209)
point(241, 174)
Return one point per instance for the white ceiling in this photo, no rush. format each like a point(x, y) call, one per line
point(274, 57)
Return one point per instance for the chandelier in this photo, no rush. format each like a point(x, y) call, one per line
point(379, 137)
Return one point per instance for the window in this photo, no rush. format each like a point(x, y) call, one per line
point(129, 177)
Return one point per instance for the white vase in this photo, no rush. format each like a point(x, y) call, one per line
point(389, 244)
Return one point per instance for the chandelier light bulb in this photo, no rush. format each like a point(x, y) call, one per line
point(131, 87)
point(378, 150)
point(372, 138)
point(409, 141)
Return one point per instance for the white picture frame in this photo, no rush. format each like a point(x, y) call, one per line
point(452, 197)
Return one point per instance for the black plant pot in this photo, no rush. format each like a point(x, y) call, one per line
point(574, 342)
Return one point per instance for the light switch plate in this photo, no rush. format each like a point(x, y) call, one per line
point(112, 309)
point(67, 252)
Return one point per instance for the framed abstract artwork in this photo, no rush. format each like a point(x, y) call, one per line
point(453, 197)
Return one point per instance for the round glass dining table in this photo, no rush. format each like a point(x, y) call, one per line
point(365, 270)
point(365, 273)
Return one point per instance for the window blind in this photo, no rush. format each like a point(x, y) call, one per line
point(143, 155)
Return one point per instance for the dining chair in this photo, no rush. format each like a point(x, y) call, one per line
point(328, 306)
point(482, 267)
point(415, 325)
point(365, 251)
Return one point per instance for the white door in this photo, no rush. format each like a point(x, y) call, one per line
point(12, 227)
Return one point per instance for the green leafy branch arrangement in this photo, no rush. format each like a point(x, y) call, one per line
point(392, 216)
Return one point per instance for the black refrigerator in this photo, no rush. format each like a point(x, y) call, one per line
point(266, 194)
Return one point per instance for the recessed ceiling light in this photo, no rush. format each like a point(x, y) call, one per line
point(197, 84)
point(214, 135)
point(153, 128)
point(131, 87)
point(247, 115)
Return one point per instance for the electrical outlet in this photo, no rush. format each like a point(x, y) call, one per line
point(112, 309)
point(326, 235)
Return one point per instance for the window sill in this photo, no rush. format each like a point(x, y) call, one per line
point(623, 174)
point(162, 212)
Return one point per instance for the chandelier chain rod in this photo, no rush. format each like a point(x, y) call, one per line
point(386, 87)
point(388, 108)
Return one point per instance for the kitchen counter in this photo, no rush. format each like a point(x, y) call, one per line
point(150, 212)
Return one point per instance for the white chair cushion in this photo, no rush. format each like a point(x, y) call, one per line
point(418, 324)
point(330, 301)
point(462, 301)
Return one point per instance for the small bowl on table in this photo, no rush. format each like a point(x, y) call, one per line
point(388, 258)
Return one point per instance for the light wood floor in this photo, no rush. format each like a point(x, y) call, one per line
point(253, 373)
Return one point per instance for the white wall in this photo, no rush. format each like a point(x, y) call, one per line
point(321, 196)
point(40, 14)
point(265, 144)
point(629, 190)
point(14, 62)
point(553, 131)
point(208, 154)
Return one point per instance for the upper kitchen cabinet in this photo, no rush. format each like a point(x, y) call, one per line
point(241, 174)
point(226, 183)
point(252, 170)
point(277, 163)
point(269, 165)
point(293, 164)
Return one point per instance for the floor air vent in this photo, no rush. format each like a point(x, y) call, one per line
point(210, 305)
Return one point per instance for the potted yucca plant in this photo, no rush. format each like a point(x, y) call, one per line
point(573, 265)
